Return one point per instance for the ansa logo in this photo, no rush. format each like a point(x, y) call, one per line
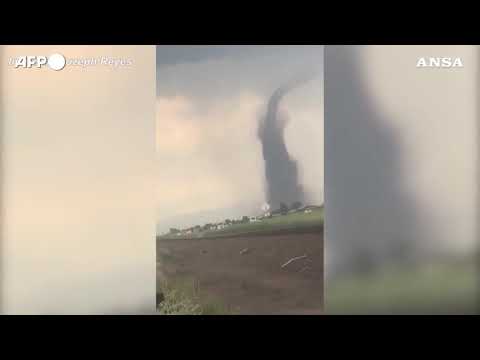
point(439, 62)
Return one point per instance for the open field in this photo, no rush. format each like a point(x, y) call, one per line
point(295, 222)
point(244, 274)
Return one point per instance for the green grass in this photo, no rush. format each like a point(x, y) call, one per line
point(186, 298)
point(433, 288)
point(289, 221)
point(283, 222)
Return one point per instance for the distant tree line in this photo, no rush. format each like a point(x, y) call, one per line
point(284, 209)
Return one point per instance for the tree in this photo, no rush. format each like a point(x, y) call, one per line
point(174, 231)
point(207, 226)
point(228, 221)
point(244, 219)
point(283, 208)
point(296, 205)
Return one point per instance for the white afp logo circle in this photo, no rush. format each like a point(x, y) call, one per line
point(56, 62)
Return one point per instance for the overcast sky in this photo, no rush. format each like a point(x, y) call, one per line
point(209, 100)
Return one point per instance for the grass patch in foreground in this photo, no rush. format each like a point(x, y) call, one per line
point(430, 289)
point(185, 298)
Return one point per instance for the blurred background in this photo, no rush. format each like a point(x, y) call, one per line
point(77, 219)
point(401, 180)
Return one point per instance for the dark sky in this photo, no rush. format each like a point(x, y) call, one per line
point(212, 72)
point(178, 54)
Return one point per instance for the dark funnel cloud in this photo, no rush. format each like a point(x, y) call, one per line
point(281, 171)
